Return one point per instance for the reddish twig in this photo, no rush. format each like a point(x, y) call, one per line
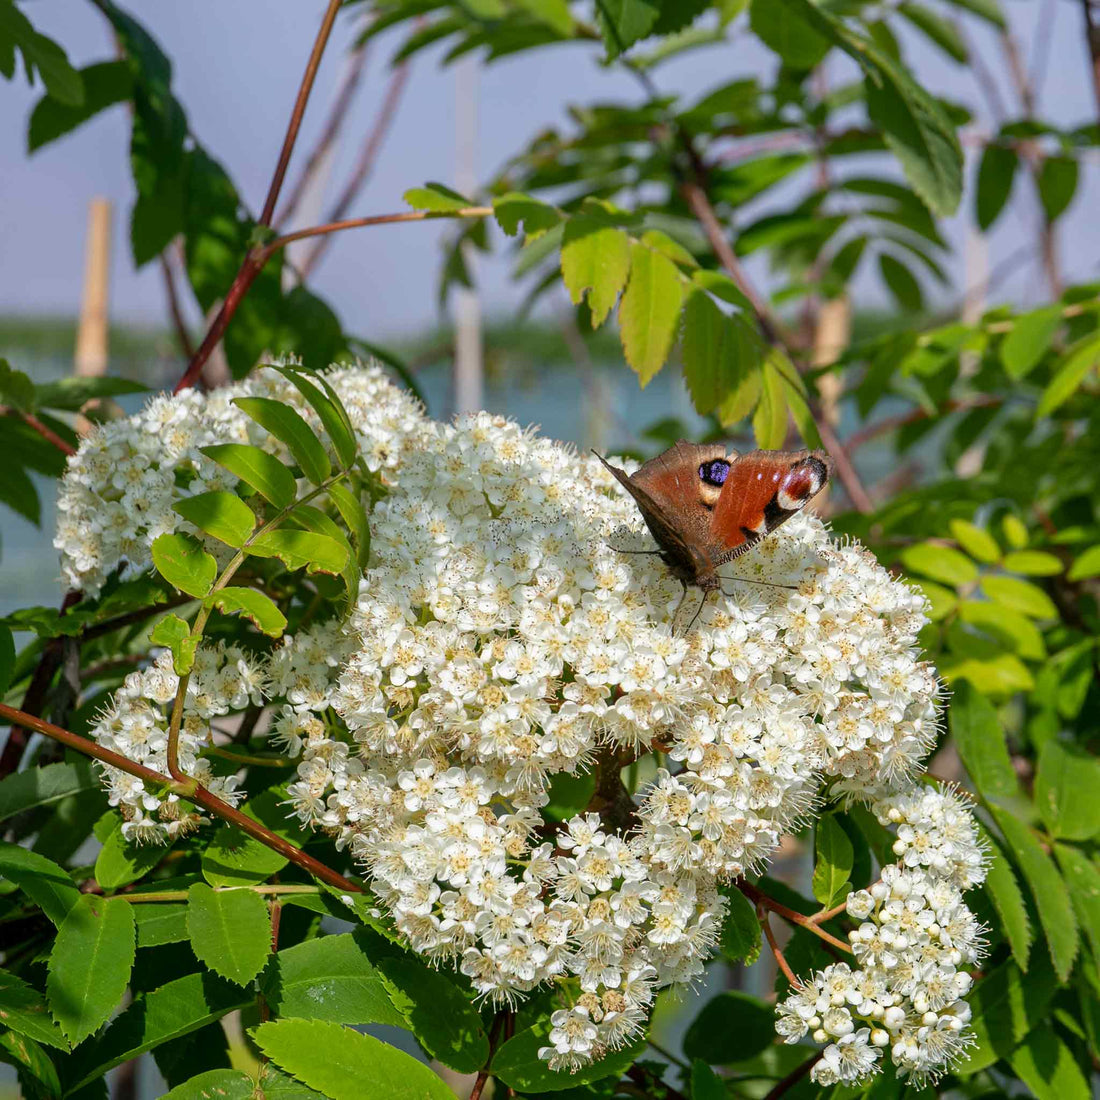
point(46, 432)
point(845, 471)
point(494, 1038)
point(363, 166)
point(892, 423)
point(794, 1076)
point(759, 898)
point(828, 914)
point(777, 951)
point(183, 337)
point(188, 789)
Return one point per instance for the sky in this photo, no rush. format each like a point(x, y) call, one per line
point(237, 68)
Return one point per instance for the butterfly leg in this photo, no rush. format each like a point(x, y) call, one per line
point(698, 611)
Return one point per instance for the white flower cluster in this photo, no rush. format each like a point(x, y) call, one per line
point(913, 944)
point(117, 493)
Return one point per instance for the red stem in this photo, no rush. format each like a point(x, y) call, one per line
point(47, 433)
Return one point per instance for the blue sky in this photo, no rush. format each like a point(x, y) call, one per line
point(237, 67)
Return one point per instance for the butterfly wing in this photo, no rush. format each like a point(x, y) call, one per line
point(761, 490)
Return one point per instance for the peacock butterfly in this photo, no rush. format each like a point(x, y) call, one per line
point(705, 506)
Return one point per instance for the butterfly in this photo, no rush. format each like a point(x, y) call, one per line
point(705, 506)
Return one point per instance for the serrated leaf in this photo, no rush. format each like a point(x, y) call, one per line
point(257, 606)
point(331, 979)
point(514, 210)
point(233, 858)
point(36, 1070)
point(121, 861)
point(1047, 1066)
point(595, 260)
point(1047, 890)
point(160, 923)
point(230, 931)
point(1069, 375)
point(288, 426)
point(255, 467)
point(782, 30)
point(1067, 791)
point(718, 351)
point(436, 198)
point(517, 1063)
point(301, 549)
point(1033, 563)
point(833, 856)
point(223, 515)
point(1022, 596)
point(329, 411)
point(624, 22)
point(215, 1084)
point(42, 880)
point(1008, 901)
point(1083, 880)
point(174, 1009)
point(1057, 183)
point(90, 964)
point(730, 1028)
point(981, 744)
point(184, 564)
point(941, 563)
point(16, 389)
point(663, 243)
point(175, 634)
point(345, 1065)
point(976, 541)
point(1087, 565)
point(1029, 340)
point(649, 314)
point(769, 421)
point(23, 1009)
point(1016, 631)
point(44, 786)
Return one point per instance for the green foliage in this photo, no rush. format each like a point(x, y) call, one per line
point(230, 931)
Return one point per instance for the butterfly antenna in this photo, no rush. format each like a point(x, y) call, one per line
point(698, 612)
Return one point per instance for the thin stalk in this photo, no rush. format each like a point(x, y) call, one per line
point(46, 432)
point(266, 890)
point(777, 951)
point(759, 898)
point(794, 1076)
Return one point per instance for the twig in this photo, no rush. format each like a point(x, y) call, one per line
point(777, 951)
point(46, 432)
point(263, 888)
point(494, 1038)
point(337, 116)
point(845, 471)
point(183, 337)
point(244, 759)
point(759, 898)
point(794, 1076)
point(363, 166)
point(188, 789)
point(256, 259)
point(892, 423)
point(828, 914)
point(299, 110)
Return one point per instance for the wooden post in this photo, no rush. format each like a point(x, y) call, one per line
point(90, 358)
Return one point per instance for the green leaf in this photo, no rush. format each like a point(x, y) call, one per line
point(354, 515)
point(663, 243)
point(1047, 889)
point(1008, 901)
point(73, 393)
point(517, 1063)
point(40, 54)
point(46, 884)
point(989, 10)
point(173, 1010)
point(345, 1065)
point(1021, 596)
point(1007, 1004)
point(34, 1066)
point(255, 467)
point(705, 1083)
point(121, 861)
point(233, 858)
point(44, 786)
point(936, 29)
point(901, 283)
point(1033, 563)
point(184, 564)
point(981, 743)
point(259, 607)
point(16, 389)
point(218, 513)
point(941, 563)
point(175, 634)
point(978, 543)
point(650, 311)
point(1029, 340)
point(1016, 631)
point(437, 1012)
point(624, 22)
point(17, 491)
point(1087, 565)
point(782, 30)
point(514, 210)
point(730, 1028)
point(90, 964)
point(301, 549)
point(595, 260)
point(1014, 530)
point(104, 83)
point(719, 352)
point(436, 198)
point(230, 931)
point(287, 425)
point(833, 856)
point(1067, 791)
point(331, 979)
point(329, 411)
point(216, 1084)
point(769, 421)
point(996, 172)
point(161, 922)
point(740, 940)
point(1084, 355)
point(1057, 184)
point(1047, 1066)
point(23, 1009)
point(1083, 879)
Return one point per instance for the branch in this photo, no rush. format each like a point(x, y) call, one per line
point(299, 110)
point(845, 471)
point(46, 432)
point(183, 337)
point(780, 958)
point(892, 423)
point(494, 1038)
point(760, 899)
point(189, 790)
point(794, 1076)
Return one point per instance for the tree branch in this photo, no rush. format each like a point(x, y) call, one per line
point(183, 337)
point(794, 1076)
point(777, 951)
point(759, 898)
point(46, 432)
